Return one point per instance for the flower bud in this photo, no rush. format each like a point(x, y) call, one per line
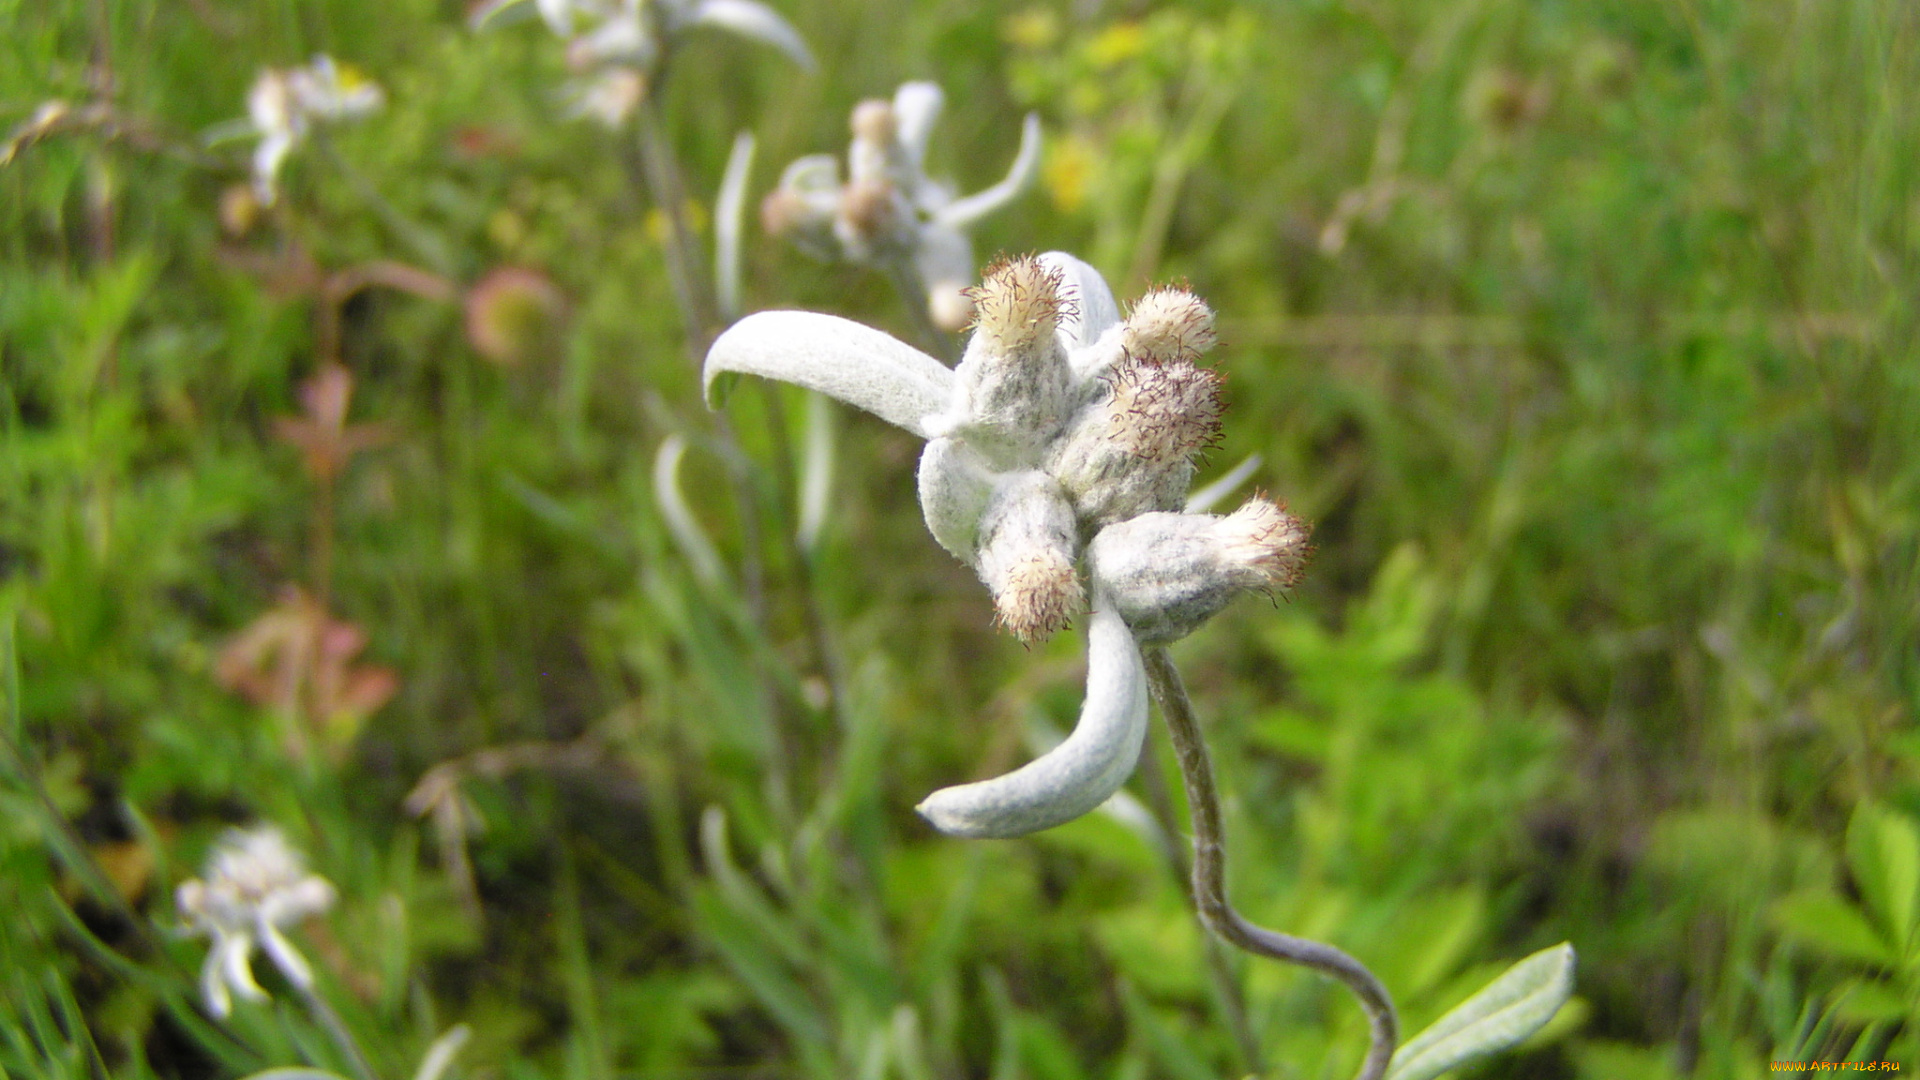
point(1130, 451)
point(1026, 557)
point(1014, 385)
point(1168, 325)
point(1168, 573)
point(874, 122)
point(867, 213)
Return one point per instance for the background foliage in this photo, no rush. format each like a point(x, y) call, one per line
point(1584, 331)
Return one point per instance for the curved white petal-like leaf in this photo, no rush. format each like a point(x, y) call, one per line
point(955, 487)
point(729, 206)
point(841, 359)
point(267, 159)
point(812, 174)
point(1512, 1007)
point(295, 1072)
point(751, 19)
point(916, 108)
point(1204, 500)
point(285, 956)
point(699, 551)
point(1079, 774)
point(440, 1054)
point(236, 967)
point(1121, 806)
point(962, 213)
point(213, 983)
point(816, 472)
point(1083, 286)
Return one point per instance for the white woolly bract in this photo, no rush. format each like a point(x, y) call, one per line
point(1168, 573)
point(1169, 324)
point(1026, 556)
point(955, 486)
point(1079, 774)
point(839, 358)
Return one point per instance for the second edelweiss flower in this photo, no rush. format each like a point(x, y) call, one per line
point(1058, 459)
point(255, 886)
point(889, 214)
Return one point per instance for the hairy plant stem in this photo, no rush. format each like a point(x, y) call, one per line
point(1226, 988)
point(1210, 873)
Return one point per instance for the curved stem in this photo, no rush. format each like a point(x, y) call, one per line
point(1210, 873)
point(1226, 987)
point(669, 191)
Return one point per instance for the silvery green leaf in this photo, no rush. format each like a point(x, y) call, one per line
point(1121, 806)
point(1087, 291)
point(1207, 497)
point(1512, 1007)
point(816, 472)
point(493, 14)
point(728, 208)
point(754, 20)
point(694, 545)
point(916, 108)
point(1079, 774)
point(294, 1073)
point(440, 1054)
point(839, 358)
point(962, 213)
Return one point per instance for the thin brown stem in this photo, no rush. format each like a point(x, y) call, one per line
point(1210, 873)
point(669, 191)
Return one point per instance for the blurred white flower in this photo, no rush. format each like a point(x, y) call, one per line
point(254, 886)
point(889, 214)
point(1059, 455)
point(285, 103)
point(615, 45)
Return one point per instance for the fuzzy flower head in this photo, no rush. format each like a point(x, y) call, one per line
point(615, 46)
point(255, 885)
point(284, 105)
point(888, 214)
point(1059, 454)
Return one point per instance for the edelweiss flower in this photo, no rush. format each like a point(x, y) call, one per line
point(889, 214)
point(255, 885)
point(617, 43)
point(1058, 458)
point(284, 104)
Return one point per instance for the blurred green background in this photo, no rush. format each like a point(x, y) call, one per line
point(1584, 331)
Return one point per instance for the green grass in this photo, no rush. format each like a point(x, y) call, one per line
point(1583, 331)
